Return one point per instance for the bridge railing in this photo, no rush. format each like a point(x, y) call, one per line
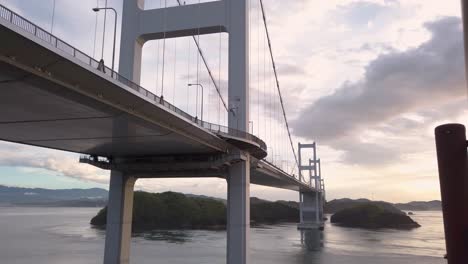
point(21, 22)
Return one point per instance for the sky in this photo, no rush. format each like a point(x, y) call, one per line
point(367, 80)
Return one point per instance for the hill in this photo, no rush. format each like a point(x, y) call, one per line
point(373, 215)
point(339, 204)
point(336, 205)
point(171, 210)
point(17, 196)
point(420, 206)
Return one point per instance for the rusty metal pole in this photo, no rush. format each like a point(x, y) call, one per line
point(453, 175)
point(464, 8)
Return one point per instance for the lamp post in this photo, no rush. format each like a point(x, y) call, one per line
point(252, 126)
point(198, 84)
point(97, 9)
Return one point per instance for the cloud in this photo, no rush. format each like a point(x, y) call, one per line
point(423, 79)
point(326, 43)
point(15, 155)
point(290, 69)
point(363, 13)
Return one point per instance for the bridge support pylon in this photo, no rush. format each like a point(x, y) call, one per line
point(311, 202)
point(311, 220)
point(231, 16)
point(238, 213)
point(119, 218)
point(310, 213)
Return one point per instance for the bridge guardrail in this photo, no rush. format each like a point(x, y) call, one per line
point(19, 21)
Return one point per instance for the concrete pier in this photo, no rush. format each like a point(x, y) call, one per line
point(238, 210)
point(309, 211)
point(119, 219)
point(311, 220)
point(238, 225)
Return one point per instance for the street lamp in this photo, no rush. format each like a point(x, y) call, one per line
point(198, 84)
point(97, 9)
point(252, 126)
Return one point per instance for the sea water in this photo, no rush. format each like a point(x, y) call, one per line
point(64, 235)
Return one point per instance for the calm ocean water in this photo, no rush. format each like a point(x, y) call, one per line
point(63, 235)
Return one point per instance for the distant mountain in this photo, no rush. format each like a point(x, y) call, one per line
point(17, 196)
point(336, 205)
point(47, 197)
point(206, 197)
point(420, 206)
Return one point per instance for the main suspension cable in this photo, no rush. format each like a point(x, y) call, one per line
point(277, 82)
point(205, 62)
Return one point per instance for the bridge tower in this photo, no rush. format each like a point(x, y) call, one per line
point(311, 203)
point(139, 26)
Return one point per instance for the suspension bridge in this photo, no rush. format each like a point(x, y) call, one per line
point(55, 96)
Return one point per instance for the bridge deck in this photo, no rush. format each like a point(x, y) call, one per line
point(54, 97)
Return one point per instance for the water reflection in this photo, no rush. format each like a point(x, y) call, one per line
point(312, 239)
point(170, 236)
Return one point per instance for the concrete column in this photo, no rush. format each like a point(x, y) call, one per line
point(119, 219)
point(237, 19)
point(238, 63)
point(301, 218)
point(309, 208)
point(238, 213)
point(131, 44)
point(312, 239)
point(321, 207)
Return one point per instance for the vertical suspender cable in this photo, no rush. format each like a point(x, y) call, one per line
point(250, 68)
point(200, 51)
point(157, 64)
point(164, 51)
point(264, 89)
point(258, 69)
point(157, 57)
point(175, 70)
point(188, 73)
point(104, 31)
point(219, 74)
point(198, 54)
point(95, 30)
point(270, 109)
point(53, 18)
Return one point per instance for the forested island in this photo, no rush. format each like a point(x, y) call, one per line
point(172, 210)
point(373, 215)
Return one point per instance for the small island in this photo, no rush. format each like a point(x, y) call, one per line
point(172, 210)
point(372, 215)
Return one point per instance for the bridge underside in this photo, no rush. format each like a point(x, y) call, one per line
point(42, 104)
point(200, 166)
point(36, 111)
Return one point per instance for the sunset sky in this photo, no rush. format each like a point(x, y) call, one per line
point(367, 80)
